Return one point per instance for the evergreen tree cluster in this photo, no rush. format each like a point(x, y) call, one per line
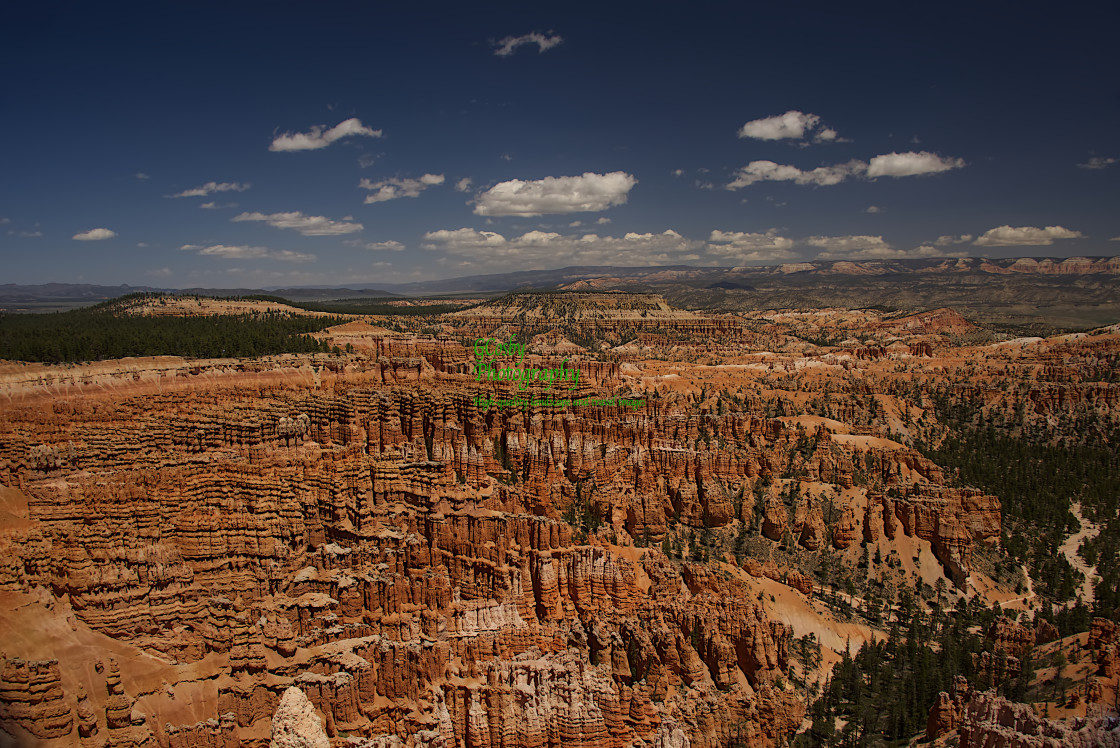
point(107, 331)
point(884, 693)
point(1037, 477)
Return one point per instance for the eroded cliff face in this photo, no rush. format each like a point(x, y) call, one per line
point(357, 544)
point(432, 572)
point(983, 720)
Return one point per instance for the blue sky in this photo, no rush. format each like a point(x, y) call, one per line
point(276, 144)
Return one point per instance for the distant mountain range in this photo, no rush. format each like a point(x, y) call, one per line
point(996, 289)
point(57, 296)
point(590, 276)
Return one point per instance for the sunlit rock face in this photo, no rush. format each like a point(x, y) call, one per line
point(355, 545)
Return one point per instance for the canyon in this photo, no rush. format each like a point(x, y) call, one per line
point(347, 550)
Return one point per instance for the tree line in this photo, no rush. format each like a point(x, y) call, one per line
point(107, 331)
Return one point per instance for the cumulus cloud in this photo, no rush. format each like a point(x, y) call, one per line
point(160, 272)
point(947, 239)
point(463, 185)
point(391, 189)
point(769, 171)
point(141, 176)
point(888, 165)
point(211, 187)
point(320, 137)
point(926, 250)
point(589, 192)
point(911, 164)
point(509, 45)
point(389, 246)
point(94, 235)
point(864, 247)
point(463, 241)
point(306, 225)
point(849, 246)
point(216, 206)
point(242, 252)
point(1018, 236)
point(746, 246)
point(1099, 162)
point(873, 209)
point(545, 248)
point(793, 125)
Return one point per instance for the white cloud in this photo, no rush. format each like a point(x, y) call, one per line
point(243, 252)
point(391, 189)
point(463, 240)
point(746, 246)
point(211, 187)
point(888, 165)
point(160, 272)
point(306, 225)
point(141, 176)
point(29, 234)
point(550, 249)
point(911, 164)
point(602, 220)
point(769, 171)
point(216, 206)
point(863, 247)
point(320, 137)
point(677, 172)
point(5, 220)
point(463, 185)
point(590, 192)
point(859, 246)
point(1099, 162)
point(141, 244)
point(947, 239)
point(94, 235)
point(389, 246)
point(926, 250)
point(873, 209)
point(1017, 236)
point(793, 125)
point(507, 46)
point(1115, 239)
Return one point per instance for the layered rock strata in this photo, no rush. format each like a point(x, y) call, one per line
point(418, 566)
